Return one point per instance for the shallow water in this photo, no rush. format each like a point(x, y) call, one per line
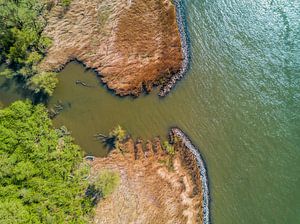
point(240, 104)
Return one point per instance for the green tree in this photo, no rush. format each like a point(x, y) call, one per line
point(118, 132)
point(23, 40)
point(22, 45)
point(8, 73)
point(44, 82)
point(42, 174)
point(33, 58)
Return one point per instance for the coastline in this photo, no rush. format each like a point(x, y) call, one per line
point(185, 48)
point(158, 184)
point(132, 48)
point(203, 172)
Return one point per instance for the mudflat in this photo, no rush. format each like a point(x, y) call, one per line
point(132, 44)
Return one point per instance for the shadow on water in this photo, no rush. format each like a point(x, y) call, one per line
point(15, 89)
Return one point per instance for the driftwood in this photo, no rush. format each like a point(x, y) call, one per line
point(100, 137)
point(79, 82)
point(56, 109)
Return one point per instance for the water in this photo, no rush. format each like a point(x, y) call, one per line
point(240, 103)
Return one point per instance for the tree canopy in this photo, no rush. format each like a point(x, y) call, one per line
point(42, 174)
point(22, 45)
point(21, 23)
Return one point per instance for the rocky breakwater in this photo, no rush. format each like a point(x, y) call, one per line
point(133, 45)
point(197, 160)
point(185, 47)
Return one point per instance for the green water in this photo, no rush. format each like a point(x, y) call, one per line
point(240, 104)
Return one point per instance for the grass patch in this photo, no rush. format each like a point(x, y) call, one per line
point(106, 182)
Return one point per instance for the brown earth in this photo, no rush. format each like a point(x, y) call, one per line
point(132, 44)
point(155, 188)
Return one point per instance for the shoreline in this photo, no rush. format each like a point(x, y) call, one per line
point(203, 172)
point(188, 154)
point(133, 49)
point(185, 48)
point(157, 185)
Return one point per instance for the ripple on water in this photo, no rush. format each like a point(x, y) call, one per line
point(239, 103)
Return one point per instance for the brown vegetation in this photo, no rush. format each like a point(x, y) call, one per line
point(132, 44)
point(156, 187)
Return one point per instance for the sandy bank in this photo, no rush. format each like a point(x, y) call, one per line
point(133, 44)
point(155, 187)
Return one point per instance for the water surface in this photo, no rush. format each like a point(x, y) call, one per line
point(240, 104)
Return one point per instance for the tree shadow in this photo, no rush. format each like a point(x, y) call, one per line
point(17, 86)
point(93, 194)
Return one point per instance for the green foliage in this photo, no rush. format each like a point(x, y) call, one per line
point(170, 164)
point(21, 27)
point(114, 138)
point(33, 58)
point(26, 72)
point(44, 44)
point(171, 151)
point(107, 182)
point(23, 40)
point(22, 45)
point(65, 3)
point(176, 139)
point(8, 73)
point(44, 82)
point(118, 132)
point(169, 148)
point(12, 212)
point(42, 179)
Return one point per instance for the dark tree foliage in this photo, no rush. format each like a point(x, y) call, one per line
point(42, 174)
point(20, 32)
point(22, 45)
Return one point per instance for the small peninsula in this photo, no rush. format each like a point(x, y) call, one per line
point(161, 182)
point(157, 181)
point(132, 45)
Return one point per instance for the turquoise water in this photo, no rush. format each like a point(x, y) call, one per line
point(239, 103)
